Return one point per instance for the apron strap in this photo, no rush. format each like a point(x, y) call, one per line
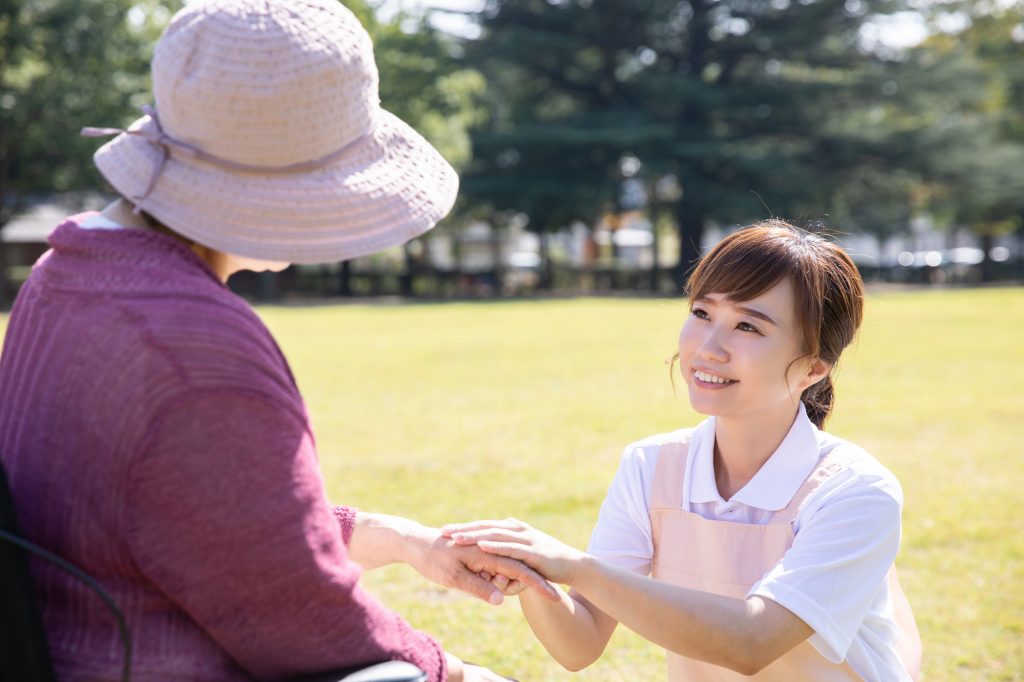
point(670, 474)
point(833, 460)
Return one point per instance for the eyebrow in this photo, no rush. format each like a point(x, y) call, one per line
point(753, 312)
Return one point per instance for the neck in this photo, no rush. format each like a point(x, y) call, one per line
point(122, 213)
point(744, 444)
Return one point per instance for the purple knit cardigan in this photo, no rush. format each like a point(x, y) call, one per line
point(153, 434)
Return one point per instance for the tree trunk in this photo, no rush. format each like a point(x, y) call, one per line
point(405, 279)
point(690, 212)
point(5, 288)
point(267, 286)
point(614, 223)
point(987, 240)
point(1020, 246)
point(345, 279)
point(690, 218)
point(655, 274)
point(497, 262)
point(654, 215)
point(6, 213)
point(544, 282)
point(456, 243)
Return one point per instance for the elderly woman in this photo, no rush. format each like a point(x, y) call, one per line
point(150, 427)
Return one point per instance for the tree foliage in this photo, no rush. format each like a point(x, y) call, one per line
point(977, 178)
point(747, 103)
point(422, 82)
point(64, 64)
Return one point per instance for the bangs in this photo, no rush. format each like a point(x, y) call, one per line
point(745, 264)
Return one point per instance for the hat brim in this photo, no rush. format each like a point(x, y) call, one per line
point(387, 188)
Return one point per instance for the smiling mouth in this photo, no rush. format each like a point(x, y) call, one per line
point(708, 378)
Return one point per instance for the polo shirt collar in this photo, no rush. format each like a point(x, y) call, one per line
point(775, 483)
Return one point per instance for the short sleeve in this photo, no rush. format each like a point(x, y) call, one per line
point(838, 563)
point(229, 519)
point(622, 535)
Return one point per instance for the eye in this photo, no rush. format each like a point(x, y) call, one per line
point(747, 327)
point(699, 313)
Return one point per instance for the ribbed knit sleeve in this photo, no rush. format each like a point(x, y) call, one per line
point(347, 521)
point(228, 517)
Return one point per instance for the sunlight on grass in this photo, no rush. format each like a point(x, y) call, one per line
point(450, 412)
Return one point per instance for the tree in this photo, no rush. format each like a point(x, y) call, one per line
point(64, 65)
point(560, 118)
point(747, 104)
point(423, 83)
point(978, 178)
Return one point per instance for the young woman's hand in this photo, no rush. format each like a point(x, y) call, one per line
point(552, 558)
point(479, 573)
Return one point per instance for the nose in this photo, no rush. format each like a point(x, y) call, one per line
point(711, 347)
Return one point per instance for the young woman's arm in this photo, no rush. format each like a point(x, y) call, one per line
point(743, 635)
point(823, 587)
point(574, 631)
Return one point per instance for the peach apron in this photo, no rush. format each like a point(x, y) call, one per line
point(727, 558)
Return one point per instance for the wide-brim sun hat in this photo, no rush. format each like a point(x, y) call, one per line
point(268, 139)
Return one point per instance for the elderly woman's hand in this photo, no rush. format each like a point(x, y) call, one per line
point(459, 671)
point(380, 539)
point(509, 588)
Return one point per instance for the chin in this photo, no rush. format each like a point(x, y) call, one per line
point(702, 405)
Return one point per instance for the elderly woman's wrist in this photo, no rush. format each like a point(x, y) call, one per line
point(415, 543)
point(381, 539)
point(456, 671)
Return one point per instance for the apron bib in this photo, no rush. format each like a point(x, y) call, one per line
point(732, 557)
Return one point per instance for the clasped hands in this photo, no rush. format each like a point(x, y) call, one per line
point(478, 570)
point(514, 557)
point(481, 570)
point(554, 560)
point(486, 559)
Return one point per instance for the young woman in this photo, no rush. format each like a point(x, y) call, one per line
point(150, 427)
point(754, 544)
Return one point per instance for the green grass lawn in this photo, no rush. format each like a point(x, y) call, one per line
point(453, 412)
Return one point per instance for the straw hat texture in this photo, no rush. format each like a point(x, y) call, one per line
point(268, 140)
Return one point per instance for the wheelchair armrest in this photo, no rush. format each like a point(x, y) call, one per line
point(392, 671)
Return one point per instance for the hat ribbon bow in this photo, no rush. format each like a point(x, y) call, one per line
point(151, 131)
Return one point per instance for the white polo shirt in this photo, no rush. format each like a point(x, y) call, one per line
point(847, 535)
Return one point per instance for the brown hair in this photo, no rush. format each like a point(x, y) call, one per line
point(828, 289)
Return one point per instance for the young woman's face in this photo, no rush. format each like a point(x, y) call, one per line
point(734, 355)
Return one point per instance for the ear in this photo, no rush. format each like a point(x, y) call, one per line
point(817, 369)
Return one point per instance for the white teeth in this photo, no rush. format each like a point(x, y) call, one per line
point(710, 378)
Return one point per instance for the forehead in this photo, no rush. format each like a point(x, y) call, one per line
point(777, 301)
